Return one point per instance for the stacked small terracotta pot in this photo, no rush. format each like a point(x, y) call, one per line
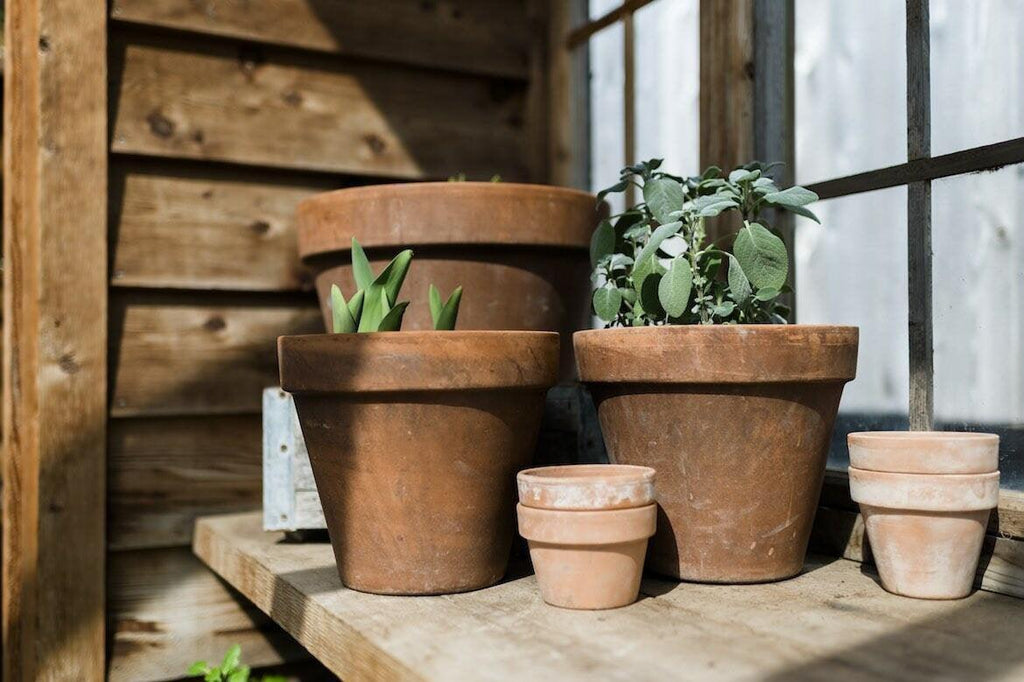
point(587, 527)
point(925, 498)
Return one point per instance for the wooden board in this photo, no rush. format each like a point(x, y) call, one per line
point(210, 355)
point(54, 339)
point(479, 36)
point(832, 623)
point(164, 472)
point(167, 610)
point(255, 105)
point(162, 212)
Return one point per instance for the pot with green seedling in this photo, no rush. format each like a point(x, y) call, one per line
point(415, 437)
point(491, 237)
point(699, 376)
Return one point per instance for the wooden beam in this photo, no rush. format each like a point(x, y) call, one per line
point(919, 219)
point(584, 31)
point(568, 98)
point(55, 334)
point(726, 83)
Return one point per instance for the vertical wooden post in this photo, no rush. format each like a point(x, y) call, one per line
point(919, 218)
point(726, 82)
point(569, 97)
point(54, 339)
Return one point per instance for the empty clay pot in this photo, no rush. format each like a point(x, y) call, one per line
point(587, 527)
point(415, 439)
point(926, 498)
point(737, 421)
point(521, 252)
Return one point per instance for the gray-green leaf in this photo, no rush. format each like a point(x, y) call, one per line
point(341, 318)
point(792, 196)
point(355, 305)
point(392, 322)
point(767, 294)
point(602, 242)
point(762, 256)
point(663, 196)
point(449, 312)
point(392, 277)
point(661, 234)
point(674, 287)
point(742, 175)
point(361, 270)
point(607, 301)
point(434, 296)
point(739, 285)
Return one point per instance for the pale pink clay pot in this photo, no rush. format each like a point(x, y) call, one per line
point(926, 500)
point(587, 527)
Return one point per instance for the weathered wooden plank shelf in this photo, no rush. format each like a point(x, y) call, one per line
point(831, 623)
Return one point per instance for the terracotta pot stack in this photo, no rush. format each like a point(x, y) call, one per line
point(587, 527)
point(926, 498)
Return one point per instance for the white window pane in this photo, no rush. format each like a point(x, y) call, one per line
point(667, 84)
point(978, 309)
point(851, 93)
point(853, 270)
point(598, 8)
point(607, 125)
point(977, 65)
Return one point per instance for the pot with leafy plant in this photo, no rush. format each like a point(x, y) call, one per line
point(415, 437)
point(491, 237)
point(699, 377)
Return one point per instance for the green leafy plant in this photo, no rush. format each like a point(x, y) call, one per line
point(375, 306)
point(653, 264)
point(231, 669)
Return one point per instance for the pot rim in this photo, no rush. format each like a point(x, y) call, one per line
point(370, 213)
point(425, 360)
point(924, 452)
point(587, 527)
point(586, 486)
point(718, 354)
point(925, 492)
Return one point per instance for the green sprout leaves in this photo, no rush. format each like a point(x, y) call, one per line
point(375, 306)
point(231, 669)
point(444, 314)
point(653, 263)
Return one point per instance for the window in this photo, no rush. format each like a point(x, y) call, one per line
point(920, 248)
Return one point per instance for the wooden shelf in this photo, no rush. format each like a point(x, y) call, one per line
point(832, 623)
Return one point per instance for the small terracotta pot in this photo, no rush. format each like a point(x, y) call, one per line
point(415, 439)
point(521, 252)
point(737, 421)
point(587, 527)
point(926, 498)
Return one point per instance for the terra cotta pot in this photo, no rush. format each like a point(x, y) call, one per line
point(415, 439)
point(587, 527)
point(926, 498)
point(737, 422)
point(520, 252)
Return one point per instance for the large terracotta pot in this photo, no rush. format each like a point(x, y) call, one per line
point(737, 421)
point(519, 251)
point(926, 498)
point(415, 439)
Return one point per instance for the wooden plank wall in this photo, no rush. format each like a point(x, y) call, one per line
point(224, 115)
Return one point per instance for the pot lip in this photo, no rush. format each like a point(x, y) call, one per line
point(924, 452)
point(320, 234)
point(718, 354)
point(586, 487)
point(583, 527)
point(423, 360)
point(585, 474)
point(924, 492)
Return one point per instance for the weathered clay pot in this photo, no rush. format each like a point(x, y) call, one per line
point(926, 498)
point(587, 527)
point(415, 439)
point(519, 251)
point(737, 422)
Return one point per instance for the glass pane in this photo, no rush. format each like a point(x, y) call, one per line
point(853, 270)
point(607, 126)
point(851, 93)
point(977, 73)
point(598, 8)
point(667, 84)
point(978, 309)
